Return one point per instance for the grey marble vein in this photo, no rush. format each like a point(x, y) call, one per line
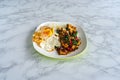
point(100, 20)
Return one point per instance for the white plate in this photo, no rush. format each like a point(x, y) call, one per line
point(54, 54)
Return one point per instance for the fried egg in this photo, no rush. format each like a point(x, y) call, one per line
point(42, 34)
point(50, 39)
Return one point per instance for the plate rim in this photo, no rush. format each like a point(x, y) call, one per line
point(65, 57)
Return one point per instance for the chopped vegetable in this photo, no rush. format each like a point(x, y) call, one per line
point(74, 42)
point(74, 34)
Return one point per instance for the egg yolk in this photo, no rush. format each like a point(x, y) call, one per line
point(48, 32)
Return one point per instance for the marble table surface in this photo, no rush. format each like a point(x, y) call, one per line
point(100, 19)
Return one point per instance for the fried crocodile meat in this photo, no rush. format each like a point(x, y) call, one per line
point(68, 39)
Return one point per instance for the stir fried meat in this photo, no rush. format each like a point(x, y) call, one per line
point(68, 39)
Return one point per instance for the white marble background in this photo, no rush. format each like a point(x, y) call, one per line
point(101, 23)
